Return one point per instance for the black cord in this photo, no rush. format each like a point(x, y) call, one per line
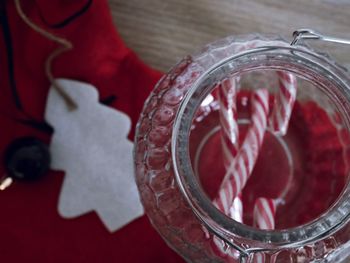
point(9, 51)
point(69, 19)
point(38, 125)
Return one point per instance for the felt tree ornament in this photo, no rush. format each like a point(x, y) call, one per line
point(90, 145)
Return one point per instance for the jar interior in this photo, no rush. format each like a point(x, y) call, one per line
point(303, 171)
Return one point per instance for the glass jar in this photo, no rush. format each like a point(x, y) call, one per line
point(179, 161)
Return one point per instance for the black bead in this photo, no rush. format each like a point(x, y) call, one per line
point(27, 158)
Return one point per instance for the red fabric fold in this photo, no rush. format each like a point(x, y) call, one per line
point(31, 229)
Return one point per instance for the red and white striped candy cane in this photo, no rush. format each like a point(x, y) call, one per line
point(236, 209)
point(284, 102)
point(228, 119)
point(230, 135)
point(240, 169)
point(264, 218)
point(264, 213)
point(261, 257)
point(265, 208)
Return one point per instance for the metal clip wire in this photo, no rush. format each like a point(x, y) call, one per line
point(310, 34)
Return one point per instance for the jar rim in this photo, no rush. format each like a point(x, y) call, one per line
point(229, 229)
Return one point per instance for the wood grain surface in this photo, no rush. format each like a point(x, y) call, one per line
point(163, 31)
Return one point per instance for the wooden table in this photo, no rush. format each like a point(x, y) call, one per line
point(163, 31)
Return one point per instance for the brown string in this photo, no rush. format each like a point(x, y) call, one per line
point(65, 46)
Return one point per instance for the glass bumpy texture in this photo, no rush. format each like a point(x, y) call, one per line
point(164, 203)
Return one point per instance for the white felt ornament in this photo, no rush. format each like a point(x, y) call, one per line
point(90, 145)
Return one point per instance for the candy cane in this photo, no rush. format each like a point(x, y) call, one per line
point(264, 213)
point(246, 157)
point(279, 120)
point(259, 258)
point(229, 135)
point(240, 169)
point(228, 119)
point(284, 102)
point(265, 208)
point(236, 209)
point(264, 218)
